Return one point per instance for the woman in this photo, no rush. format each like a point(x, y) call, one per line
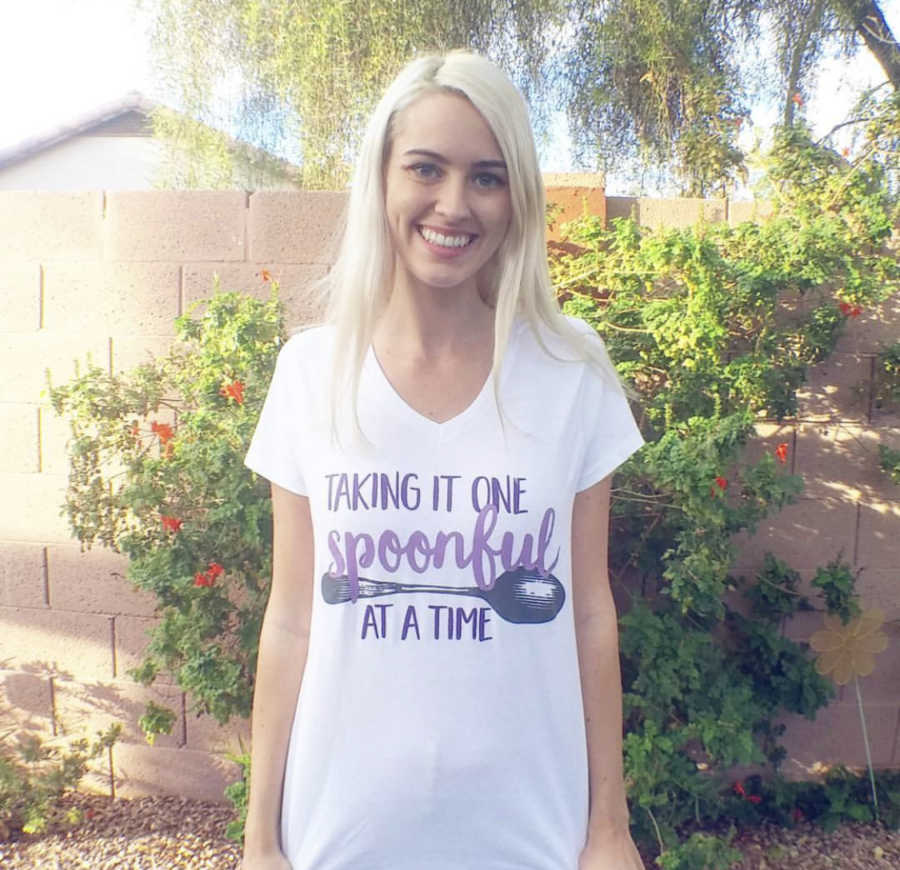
point(438, 683)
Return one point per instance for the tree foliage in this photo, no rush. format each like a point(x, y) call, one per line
point(663, 82)
point(311, 70)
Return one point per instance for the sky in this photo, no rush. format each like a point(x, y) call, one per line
point(60, 59)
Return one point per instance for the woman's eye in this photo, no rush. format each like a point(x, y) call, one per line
point(489, 179)
point(425, 170)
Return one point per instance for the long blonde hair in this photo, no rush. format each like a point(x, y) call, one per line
point(358, 285)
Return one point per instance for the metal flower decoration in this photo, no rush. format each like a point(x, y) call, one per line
point(848, 651)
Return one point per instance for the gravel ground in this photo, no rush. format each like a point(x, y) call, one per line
point(169, 832)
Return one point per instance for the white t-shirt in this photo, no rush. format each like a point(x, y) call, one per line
point(440, 728)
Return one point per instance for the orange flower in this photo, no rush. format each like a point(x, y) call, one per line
point(798, 99)
point(847, 651)
point(163, 431)
point(170, 524)
point(234, 390)
point(781, 452)
point(134, 430)
point(266, 275)
point(845, 152)
point(738, 789)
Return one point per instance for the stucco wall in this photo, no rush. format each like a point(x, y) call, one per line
point(105, 274)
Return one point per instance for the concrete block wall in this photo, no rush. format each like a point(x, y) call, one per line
point(103, 275)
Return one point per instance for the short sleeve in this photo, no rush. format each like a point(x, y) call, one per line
point(609, 432)
point(275, 449)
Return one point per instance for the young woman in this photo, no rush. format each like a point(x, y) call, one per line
point(438, 684)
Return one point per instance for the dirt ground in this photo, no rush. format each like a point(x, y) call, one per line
point(168, 832)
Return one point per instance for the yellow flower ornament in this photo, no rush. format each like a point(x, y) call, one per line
point(847, 651)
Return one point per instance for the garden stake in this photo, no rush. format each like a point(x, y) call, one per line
point(862, 720)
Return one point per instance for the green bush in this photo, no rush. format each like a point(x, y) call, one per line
point(157, 473)
point(36, 774)
point(712, 327)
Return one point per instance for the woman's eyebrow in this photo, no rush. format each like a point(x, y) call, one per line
point(439, 158)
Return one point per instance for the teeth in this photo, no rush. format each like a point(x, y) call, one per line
point(445, 241)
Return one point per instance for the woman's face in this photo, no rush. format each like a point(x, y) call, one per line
point(446, 194)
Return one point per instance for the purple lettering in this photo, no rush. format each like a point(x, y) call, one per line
point(484, 617)
point(545, 537)
point(389, 550)
point(410, 623)
point(482, 553)
point(464, 617)
point(338, 566)
point(418, 544)
point(442, 540)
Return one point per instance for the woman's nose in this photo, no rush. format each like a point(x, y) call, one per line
point(453, 198)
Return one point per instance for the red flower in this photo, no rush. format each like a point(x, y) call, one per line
point(781, 452)
point(163, 431)
point(266, 275)
point(208, 578)
point(234, 390)
point(135, 431)
point(798, 99)
point(738, 789)
point(845, 152)
point(170, 524)
point(798, 814)
point(849, 310)
point(754, 798)
point(722, 483)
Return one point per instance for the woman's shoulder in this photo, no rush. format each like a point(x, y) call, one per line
point(569, 342)
point(308, 345)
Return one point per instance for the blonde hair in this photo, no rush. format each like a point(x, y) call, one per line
point(358, 285)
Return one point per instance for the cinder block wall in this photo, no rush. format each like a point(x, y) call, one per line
point(105, 274)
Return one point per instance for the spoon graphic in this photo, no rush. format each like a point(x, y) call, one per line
point(521, 596)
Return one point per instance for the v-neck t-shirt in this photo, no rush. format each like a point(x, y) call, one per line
point(439, 724)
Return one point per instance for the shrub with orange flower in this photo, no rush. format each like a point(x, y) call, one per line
point(170, 524)
point(163, 431)
point(208, 577)
point(234, 390)
point(781, 452)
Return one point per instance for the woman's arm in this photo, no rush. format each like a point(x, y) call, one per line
point(609, 845)
point(283, 645)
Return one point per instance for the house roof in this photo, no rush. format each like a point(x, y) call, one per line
point(131, 102)
point(106, 115)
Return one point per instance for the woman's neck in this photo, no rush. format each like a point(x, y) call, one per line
point(428, 323)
